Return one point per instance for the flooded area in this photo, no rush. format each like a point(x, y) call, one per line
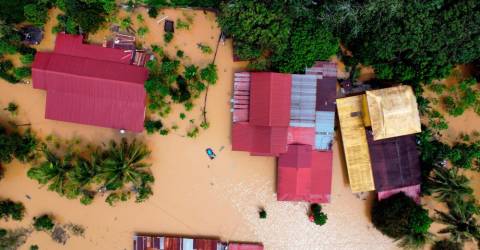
point(193, 195)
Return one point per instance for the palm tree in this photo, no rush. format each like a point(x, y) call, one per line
point(415, 240)
point(460, 221)
point(81, 175)
point(53, 170)
point(123, 164)
point(448, 185)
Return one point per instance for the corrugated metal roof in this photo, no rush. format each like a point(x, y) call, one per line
point(270, 99)
point(259, 140)
point(304, 174)
point(393, 112)
point(355, 144)
point(411, 191)
point(91, 88)
point(395, 162)
point(244, 246)
point(144, 242)
point(298, 135)
point(324, 129)
point(326, 73)
point(303, 101)
point(241, 96)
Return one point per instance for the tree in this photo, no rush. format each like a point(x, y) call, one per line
point(53, 170)
point(447, 245)
point(448, 185)
point(88, 15)
point(460, 221)
point(43, 223)
point(409, 41)
point(10, 209)
point(209, 74)
point(36, 13)
point(400, 218)
point(319, 217)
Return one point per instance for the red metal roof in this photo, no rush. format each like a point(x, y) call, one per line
point(304, 174)
point(300, 135)
point(244, 246)
point(91, 89)
point(270, 99)
point(410, 191)
point(259, 140)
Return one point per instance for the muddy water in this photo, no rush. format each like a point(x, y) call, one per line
point(192, 194)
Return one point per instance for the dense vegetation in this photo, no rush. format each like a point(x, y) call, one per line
point(400, 218)
point(118, 170)
point(407, 41)
point(281, 35)
point(10, 209)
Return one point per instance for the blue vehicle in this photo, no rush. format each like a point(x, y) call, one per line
point(211, 154)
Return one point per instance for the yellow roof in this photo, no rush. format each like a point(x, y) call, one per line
point(355, 143)
point(393, 112)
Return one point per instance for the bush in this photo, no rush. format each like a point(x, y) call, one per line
point(37, 14)
point(319, 217)
point(167, 37)
point(43, 223)
point(152, 12)
point(447, 245)
point(23, 72)
point(399, 216)
point(153, 126)
point(10, 209)
point(262, 214)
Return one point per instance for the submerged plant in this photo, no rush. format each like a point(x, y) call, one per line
point(10, 209)
point(43, 223)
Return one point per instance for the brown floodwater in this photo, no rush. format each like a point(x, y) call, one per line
point(193, 195)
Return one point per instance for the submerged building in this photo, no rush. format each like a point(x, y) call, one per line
point(289, 116)
point(144, 242)
point(91, 85)
point(378, 139)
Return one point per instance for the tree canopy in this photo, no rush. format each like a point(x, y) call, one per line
point(409, 41)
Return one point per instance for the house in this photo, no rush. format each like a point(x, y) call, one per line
point(31, 35)
point(280, 115)
point(378, 139)
point(144, 242)
point(91, 85)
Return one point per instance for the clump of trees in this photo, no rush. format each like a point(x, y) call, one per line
point(400, 218)
point(287, 37)
point(458, 97)
point(406, 41)
point(43, 223)
point(11, 210)
point(171, 82)
point(14, 144)
point(117, 169)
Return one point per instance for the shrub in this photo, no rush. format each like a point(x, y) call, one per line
point(34, 247)
point(180, 53)
point(180, 24)
point(12, 108)
point(10, 209)
point(22, 72)
point(152, 12)
point(262, 214)
point(153, 126)
point(319, 217)
point(209, 74)
point(399, 216)
point(43, 223)
point(205, 48)
point(27, 59)
point(167, 37)
point(142, 31)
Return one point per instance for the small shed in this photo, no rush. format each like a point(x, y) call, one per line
point(169, 26)
point(303, 100)
point(393, 112)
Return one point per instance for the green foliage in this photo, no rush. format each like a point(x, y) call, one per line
point(36, 13)
point(308, 42)
point(447, 245)
point(460, 221)
point(153, 126)
point(152, 12)
point(319, 217)
point(466, 155)
point(43, 223)
point(400, 218)
point(205, 48)
point(157, 50)
point(118, 167)
point(438, 88)
point(461, 98)
point(180, 53)
point(22, 72)
point(448, 185)
point(414, 41)
point(168, 37)
point(21, 146)
point(182, 25)
point(126, 23)
point(191, 72)
point(10, 209)
point(12, 108)
point(27, 59)
point(182, 116)
point(278, 35)
point(34, 247)
point(209, 74)
point(89, 16)
point(193, 133)
point(142, 31)
point(262, 214)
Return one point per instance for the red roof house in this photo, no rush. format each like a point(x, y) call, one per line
point(91, 85)
point(264, 104)
point(142, 242)
point(304, 174)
